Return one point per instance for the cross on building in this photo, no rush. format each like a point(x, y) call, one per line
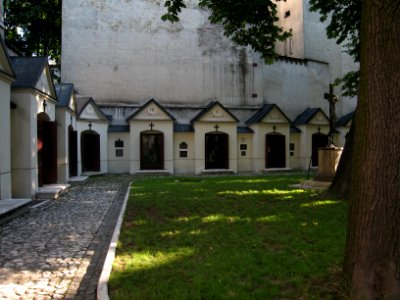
point(151, 126)
point(216, 127)
point(332, 99)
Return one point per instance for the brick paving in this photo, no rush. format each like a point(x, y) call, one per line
point(56, 250)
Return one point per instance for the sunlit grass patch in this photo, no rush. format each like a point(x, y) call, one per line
point(227, 238)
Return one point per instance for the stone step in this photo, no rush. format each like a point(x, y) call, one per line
point(75, 180)
point(218, 172)
point(10, 208)
point(51, 191)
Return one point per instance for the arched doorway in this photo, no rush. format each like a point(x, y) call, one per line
point(90, 149)
point(151, 150)
point(72, 151)
point(46, 149)
point(217, 150)
point(275, 150)
point(319, 140)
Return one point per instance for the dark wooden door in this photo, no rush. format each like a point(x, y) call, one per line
point(217, 151)
point(90, 151)
point(319, 140)
point(73, 152)
point(47, 152)
point(275, 148)
point(151, 151)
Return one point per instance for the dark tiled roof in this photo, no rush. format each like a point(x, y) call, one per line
point(294, 129)
point(81, 103)
point(118, 128)
point(307, 115)
point(183, 127)
point(28, 71)
point(147, 103)
point(242, 129)
point(344, 120)
point(259, 115)
point(208, 107)
point(64, 92)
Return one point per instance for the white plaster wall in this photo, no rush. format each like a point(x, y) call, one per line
point(24, 141)
point(63, 118)
point(294, 160)
point(245, 162)
point(131, 54)
point(122, 51)
point(184, 165)
point(166, 127)
point(5, 138)
point(294, 46)
point(201, 128)
point(119, 164)
point(296, 86)
point(102, 129)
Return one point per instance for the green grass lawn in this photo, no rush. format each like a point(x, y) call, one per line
point(248, 237)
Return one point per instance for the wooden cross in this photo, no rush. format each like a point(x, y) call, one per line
point(151, 126)
point(216, 127)
point(332, 99)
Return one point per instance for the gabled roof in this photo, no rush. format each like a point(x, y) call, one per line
point(306, 116)
point(243, 129)
point(344, 120)
point(260, 114)
point(208, 108)
point(28, 71)
point(143, 107)
point(64, 93)
point(118, 128)
point(183, 127)
point(82, 103)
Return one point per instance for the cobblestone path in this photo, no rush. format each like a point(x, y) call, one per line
point(56, 250)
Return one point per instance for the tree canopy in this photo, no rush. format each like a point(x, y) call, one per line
point(34, 27)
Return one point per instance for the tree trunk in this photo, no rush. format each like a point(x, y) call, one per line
point(372, 258)
point(341, 183)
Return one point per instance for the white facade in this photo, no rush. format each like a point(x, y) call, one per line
point(121, 53)
point(6, 77)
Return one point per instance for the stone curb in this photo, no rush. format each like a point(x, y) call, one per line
point(102, 286)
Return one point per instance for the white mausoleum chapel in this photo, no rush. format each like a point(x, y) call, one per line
point(139, 95)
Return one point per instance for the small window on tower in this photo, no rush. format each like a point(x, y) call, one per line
point(287, 14)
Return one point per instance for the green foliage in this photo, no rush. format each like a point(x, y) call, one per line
point(241, 237)
point(34, 27)
point(248, 23)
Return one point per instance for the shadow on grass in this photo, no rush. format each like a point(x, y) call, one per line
point(250, 239)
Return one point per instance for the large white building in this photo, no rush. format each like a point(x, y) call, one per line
point(182, 98)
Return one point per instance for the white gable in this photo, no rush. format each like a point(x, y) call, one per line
point(45, 84)
point(275, 116)
point(319, 119)
point(90, 112)
point(151, 112)
point(217, 114)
